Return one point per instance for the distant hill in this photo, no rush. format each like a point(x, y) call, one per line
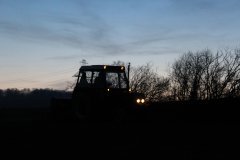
point(26, 98)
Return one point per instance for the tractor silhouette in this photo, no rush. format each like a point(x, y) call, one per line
point(102, 92)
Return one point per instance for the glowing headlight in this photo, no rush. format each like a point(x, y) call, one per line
point(108, 89)
point(138, 100)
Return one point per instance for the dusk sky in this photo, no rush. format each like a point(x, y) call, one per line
point(42, 42)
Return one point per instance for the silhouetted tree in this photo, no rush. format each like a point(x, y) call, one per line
point(204, 75)
point(119, 63)
point(145, 80)
point(231, 73)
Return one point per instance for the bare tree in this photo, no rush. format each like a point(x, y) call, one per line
point(119, 63)
point(145, 80)
point(185, 76)
point(231, 73)
point(204, 75)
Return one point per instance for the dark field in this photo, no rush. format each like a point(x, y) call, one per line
point(189, 130)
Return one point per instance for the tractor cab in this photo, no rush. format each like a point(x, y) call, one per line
point(104, 89)
point(102, 77)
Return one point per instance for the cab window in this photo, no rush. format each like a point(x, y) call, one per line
point(115, 80)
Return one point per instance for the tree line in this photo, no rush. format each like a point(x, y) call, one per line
point(25, 98)
point(204, 75)
point(201, 75)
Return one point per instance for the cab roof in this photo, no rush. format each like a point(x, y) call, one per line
point(103, 68)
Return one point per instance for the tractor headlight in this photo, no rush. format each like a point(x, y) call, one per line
point(140, 101)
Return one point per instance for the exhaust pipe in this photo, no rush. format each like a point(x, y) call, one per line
point(129, 71)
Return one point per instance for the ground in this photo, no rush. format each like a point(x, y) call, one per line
point(164, 134)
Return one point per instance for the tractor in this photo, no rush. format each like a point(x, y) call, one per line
point(102, 92)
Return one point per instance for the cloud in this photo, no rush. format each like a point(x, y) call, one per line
point(77, 25)
point(81, 29)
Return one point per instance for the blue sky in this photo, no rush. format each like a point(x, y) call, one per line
point(42, 42)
